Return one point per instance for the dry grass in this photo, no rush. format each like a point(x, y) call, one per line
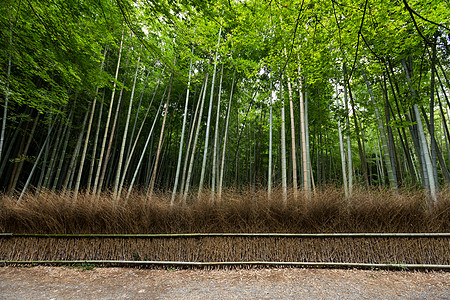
point(327, 211)
point(353, 250)
point(375, 210)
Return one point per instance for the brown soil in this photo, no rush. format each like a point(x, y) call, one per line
point(272, 283)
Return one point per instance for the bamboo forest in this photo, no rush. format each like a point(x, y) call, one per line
point(224, 116)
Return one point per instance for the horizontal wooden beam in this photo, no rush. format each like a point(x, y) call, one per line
point(228, 263)
point(268, 235)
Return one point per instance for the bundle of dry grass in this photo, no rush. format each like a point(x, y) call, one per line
point(434, 251)
point(375, 210)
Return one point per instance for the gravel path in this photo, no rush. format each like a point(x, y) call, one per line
point(129, 283)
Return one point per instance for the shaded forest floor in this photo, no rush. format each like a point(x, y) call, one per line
point(373, 210)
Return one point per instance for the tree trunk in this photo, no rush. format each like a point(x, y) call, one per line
point(349, 146)
point(88, 133)
point(225, 137)
point(180, 151)
point(10, 147)
point(306, 180)
point(208, 122)
point(308, 158)
point(357, 131)
point(50, 169)
point(16, 174)
point(191, 134)
point(143, 151)
point(5, 107)
point(124, 138)
point(439, 156)
point(75, 153)
point(392, 176)
point(427, 165)
point(94, 148)
point(27, 183)
point(342, 151)
point(66, 136)
point(216, 138)
point(111, 138)
point(441, 108)
point(133, 148)
point(294, 159)
point(105, 135)
point(403, 138)
point(138, 110)
point(44, 162)
point(269, 173)
point(191, 162)
point(158, 151)
point(283, 146)
point(431, 125)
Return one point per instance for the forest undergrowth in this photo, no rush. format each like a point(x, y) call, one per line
point(327, 211)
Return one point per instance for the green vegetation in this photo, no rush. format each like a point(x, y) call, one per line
point(82, 266)
point(185, 96)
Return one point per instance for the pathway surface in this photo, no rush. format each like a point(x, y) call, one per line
point(273, 283)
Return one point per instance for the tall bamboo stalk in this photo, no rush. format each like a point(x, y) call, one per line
point(125, 132)
point(53, 156)
point(75, 154)
point(308, 156)
point(111, 139)
point(27, 183)
point(191, 162)
point(138, 110)
point(94, 147)
point(44, 164)
point(216, 138)
point(269, 173)
point(306, 185)
point(16, 175)
point(294, 159)
point(88, 133)
point(149, 136)
point(9, 149)
point(208, 122)
point(427, 168)
point(349, 146)
point(5, 106)
point(392, 176)
point(180, 151)
point(86, 142)
point(191, 135)
point(357, 130)
point(133, 148)
point(66, 136)
point(342, 152)
point(225, 137)
point(433, 145)
point(158, 151)
point(283, 146)
point(108, 119)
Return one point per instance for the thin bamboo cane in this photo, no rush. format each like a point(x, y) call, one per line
point(231, 263)
point(269, 235)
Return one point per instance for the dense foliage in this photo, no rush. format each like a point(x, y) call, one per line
point(166, 95)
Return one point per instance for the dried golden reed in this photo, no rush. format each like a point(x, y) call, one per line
point(369, 210)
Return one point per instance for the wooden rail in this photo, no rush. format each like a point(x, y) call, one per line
point(229, 263)
point(199, 235)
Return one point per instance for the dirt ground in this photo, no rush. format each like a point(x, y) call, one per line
point(272, 283)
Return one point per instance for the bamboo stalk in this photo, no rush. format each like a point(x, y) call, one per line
point(268, 235)
point(232, 263)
